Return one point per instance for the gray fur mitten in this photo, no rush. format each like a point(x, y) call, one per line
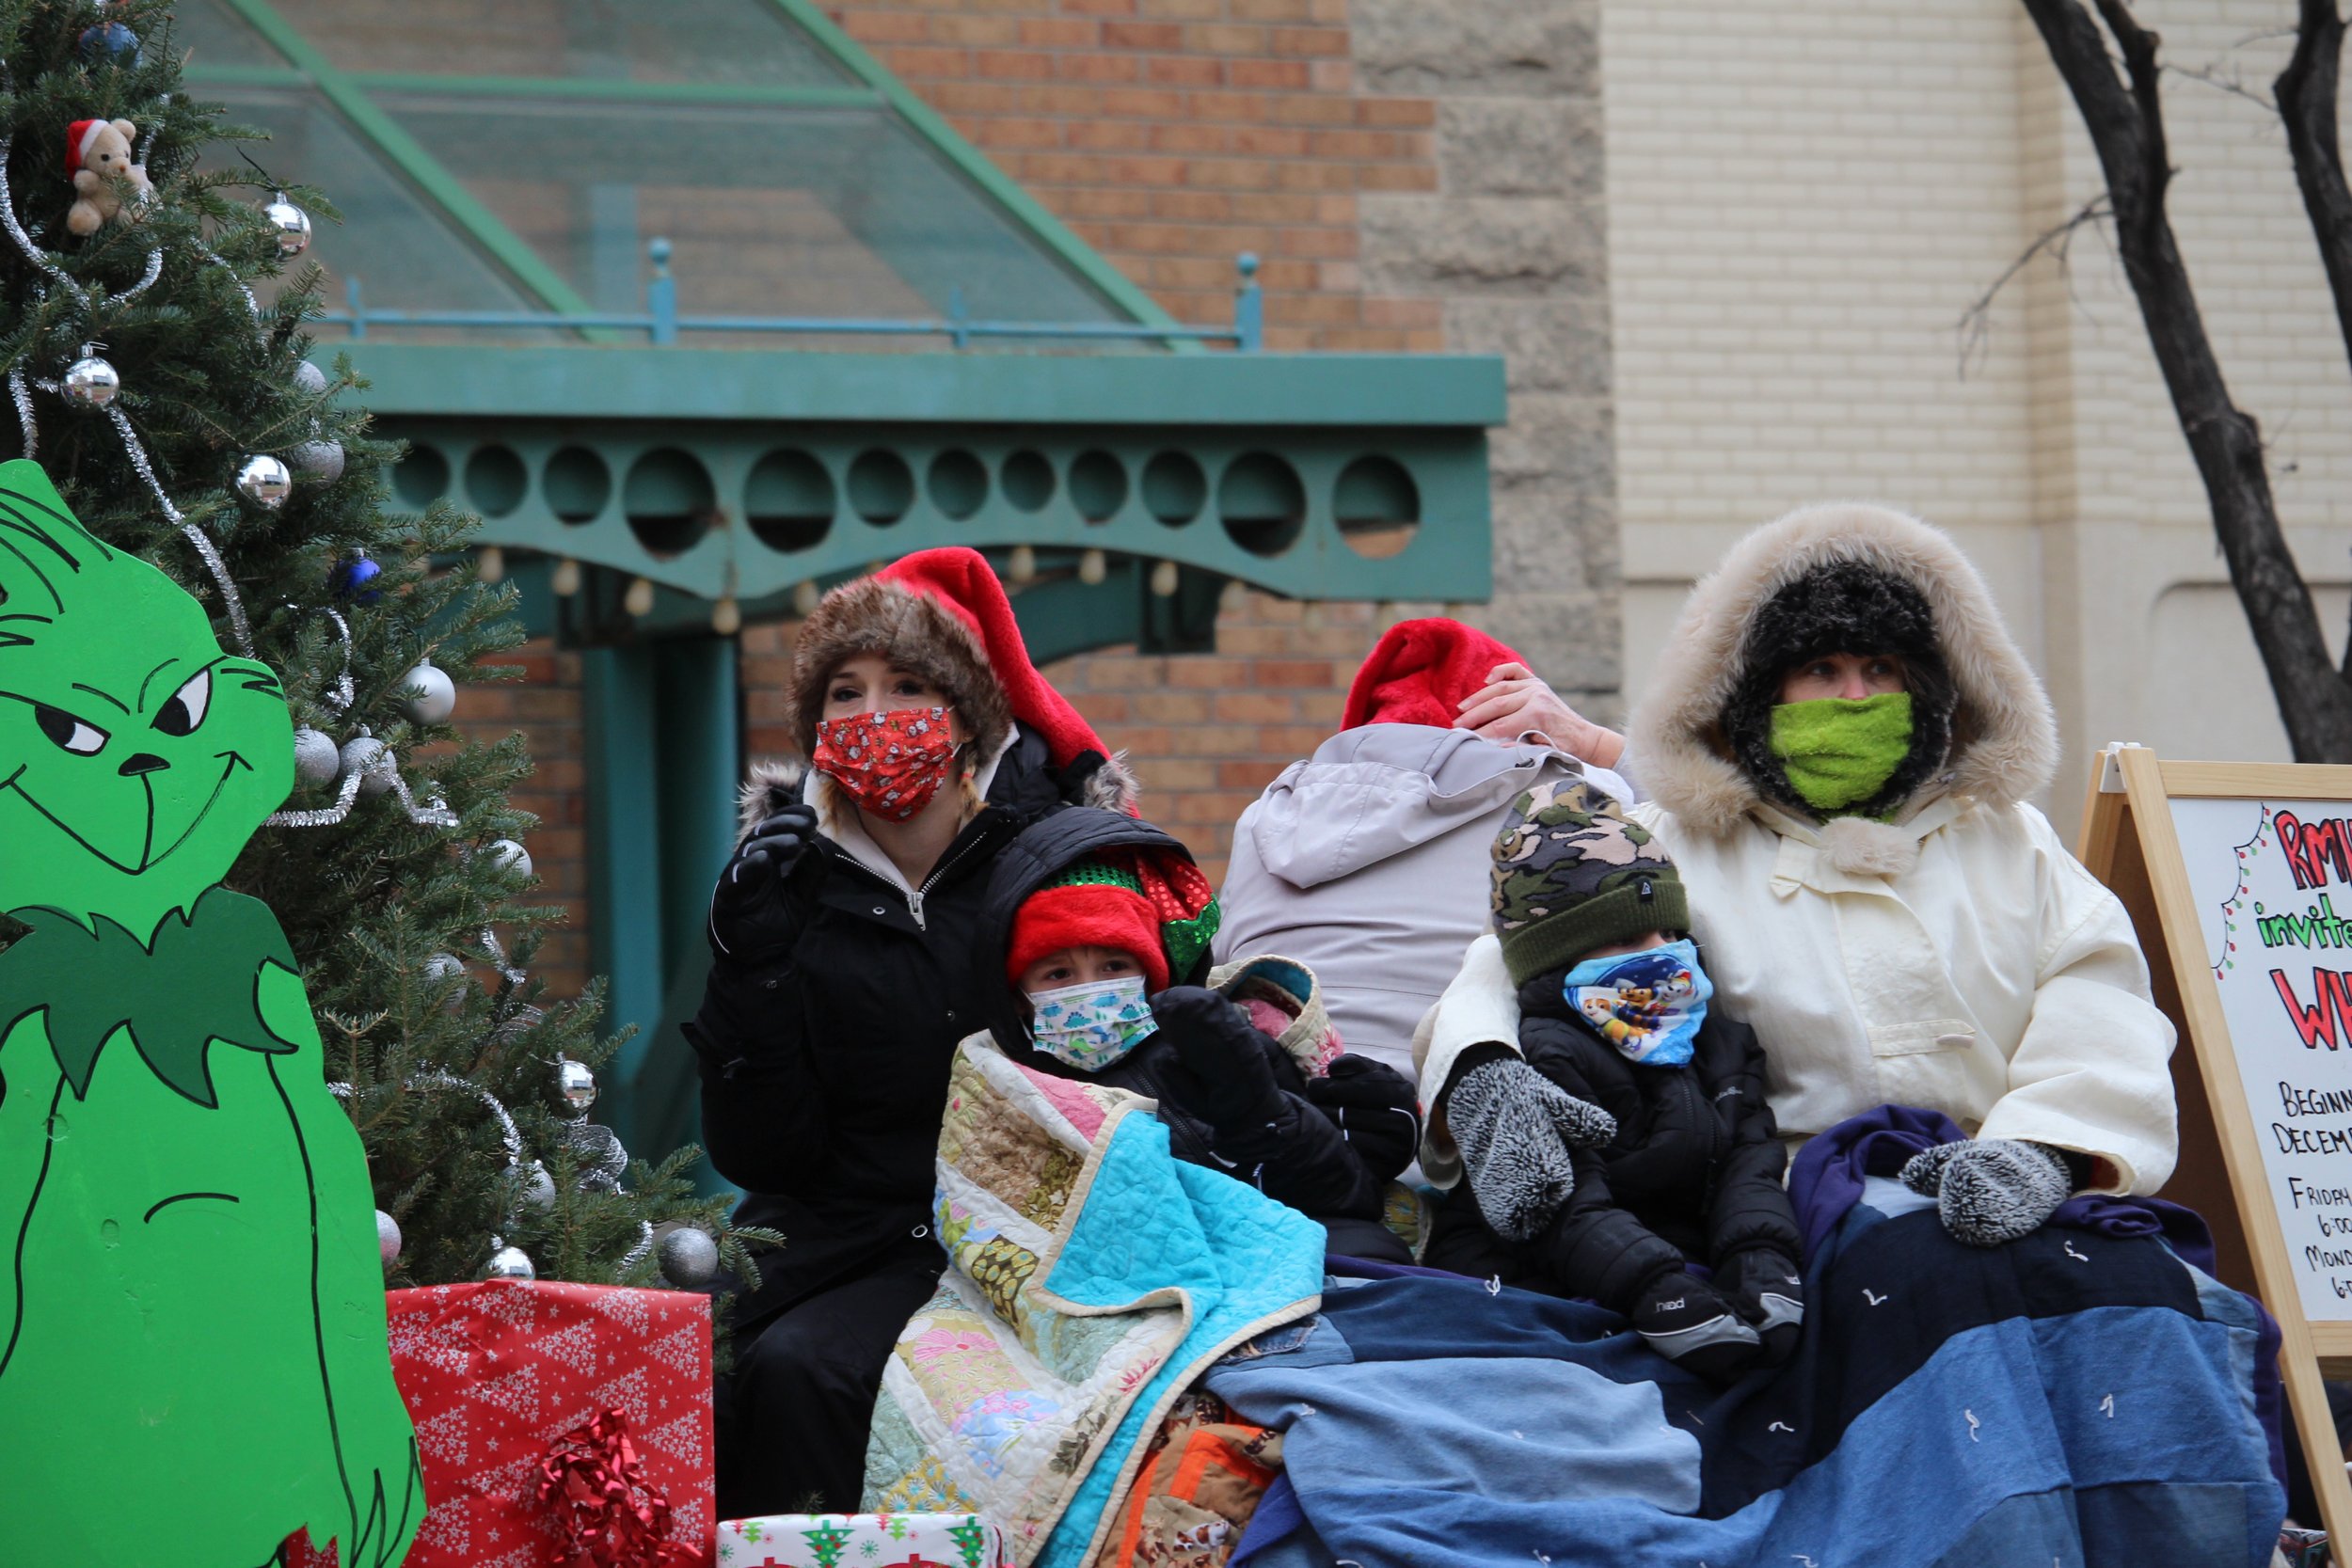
point(1514, 1128)
point(1991, 1189)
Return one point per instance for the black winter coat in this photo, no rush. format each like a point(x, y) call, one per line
point(824, 1071)
point(1695, 1173)
point(1308, 1156)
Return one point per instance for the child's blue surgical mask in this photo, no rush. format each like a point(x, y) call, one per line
point(1648, 1004)
point(1090, 1026)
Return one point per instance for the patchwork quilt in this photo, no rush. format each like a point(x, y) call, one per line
point(1092, 1276)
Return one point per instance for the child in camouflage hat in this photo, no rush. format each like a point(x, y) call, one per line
point(1630, 1136)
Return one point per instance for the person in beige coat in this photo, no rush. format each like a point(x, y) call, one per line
point(1840, 746)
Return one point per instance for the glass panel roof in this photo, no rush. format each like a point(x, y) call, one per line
point(793, 177)
point(388, 235)
point(814, 211)
point(214, 37)
point(735, 41)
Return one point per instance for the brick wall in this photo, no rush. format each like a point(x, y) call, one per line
point(545, 708)
point(1173, 134)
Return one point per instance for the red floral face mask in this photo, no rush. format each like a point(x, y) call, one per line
point(891, 764)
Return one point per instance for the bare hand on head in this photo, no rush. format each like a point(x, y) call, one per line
point(1514, 700)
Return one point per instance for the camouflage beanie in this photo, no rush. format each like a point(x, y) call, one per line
point(1572, 874)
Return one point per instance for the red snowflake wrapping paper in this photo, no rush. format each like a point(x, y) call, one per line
point(495, 1374)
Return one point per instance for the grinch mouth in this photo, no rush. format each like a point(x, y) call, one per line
point(149, 858)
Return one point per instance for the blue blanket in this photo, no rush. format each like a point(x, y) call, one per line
point(2081, 1397)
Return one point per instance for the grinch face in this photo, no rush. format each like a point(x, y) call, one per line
point(136, 760)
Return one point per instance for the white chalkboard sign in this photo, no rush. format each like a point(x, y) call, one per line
point(2238, 877)
point(2273, 882)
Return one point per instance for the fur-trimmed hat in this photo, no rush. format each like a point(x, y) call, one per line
point(941, 615)
point(1420, 672)
point(1840, 607)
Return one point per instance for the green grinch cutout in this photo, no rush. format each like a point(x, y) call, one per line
point(193, 1361)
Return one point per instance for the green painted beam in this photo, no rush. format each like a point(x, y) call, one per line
point(977, 167)
point(409, 155)
point(604, 89)
point(670, 384)
point(624, 856)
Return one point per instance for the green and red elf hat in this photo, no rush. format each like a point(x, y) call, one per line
point(1161, 910)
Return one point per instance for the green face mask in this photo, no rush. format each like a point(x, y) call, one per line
point(1838, 753)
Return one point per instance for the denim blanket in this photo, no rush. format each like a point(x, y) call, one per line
point(2083, 1397)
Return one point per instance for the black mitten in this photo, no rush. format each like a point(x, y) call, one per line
point(1515, 1127)
point(1694, 1325)
point(1768, 1293)
point(753, 914)
point(1226, 1081)
point(1991, 1189)
point(1376, 1110)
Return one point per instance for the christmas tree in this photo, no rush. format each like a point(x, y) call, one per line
point(152, 307)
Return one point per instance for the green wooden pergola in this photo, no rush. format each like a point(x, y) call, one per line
point(701, 311)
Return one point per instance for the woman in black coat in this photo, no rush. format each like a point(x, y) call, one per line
point(842, 935)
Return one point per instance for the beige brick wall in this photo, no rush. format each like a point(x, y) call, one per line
point(1805, 197)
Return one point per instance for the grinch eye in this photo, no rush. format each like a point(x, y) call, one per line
point(186, 710)
point(82, 738)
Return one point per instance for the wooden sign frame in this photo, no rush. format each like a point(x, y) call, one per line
point(2129, 843)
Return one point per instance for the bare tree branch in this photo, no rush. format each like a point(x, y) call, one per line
point(2124, 115)
point(1974, 325)
point(2212, 76)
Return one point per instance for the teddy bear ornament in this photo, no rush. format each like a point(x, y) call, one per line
point(97, 155)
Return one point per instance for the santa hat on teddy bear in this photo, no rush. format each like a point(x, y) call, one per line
point(79, 137)
point(941, 615)
point(1421, 671)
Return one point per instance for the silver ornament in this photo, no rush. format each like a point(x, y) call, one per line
point(265, 481)
point(365, 755)
point(289, 225)
point(90, 381)
point(509, 1262)
point(316, 761)
point(386, 1238)
point(539, 1187)
point(309, 379)
point(322, 460)
point(576, 1083)
point(443, 967)
point(689, 1257)
point(507, 855)
point(428, 696)
point(602, 1160)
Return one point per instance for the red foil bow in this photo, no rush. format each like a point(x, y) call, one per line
point(605, 1514)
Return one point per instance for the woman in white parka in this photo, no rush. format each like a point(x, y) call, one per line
point(1840, 745)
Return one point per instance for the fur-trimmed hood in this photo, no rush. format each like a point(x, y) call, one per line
point(2004, 746)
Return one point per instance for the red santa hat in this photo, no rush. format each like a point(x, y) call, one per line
point(1420, 672)
point(943, 615)
point(79, 137)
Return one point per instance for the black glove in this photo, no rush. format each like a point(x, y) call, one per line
point(753, 914)
point(1694, 1325)
point(1374, 1109)
point(1225, 1079)
point(1514, 1128)
point(1768, 1293)
point(1991, 1189)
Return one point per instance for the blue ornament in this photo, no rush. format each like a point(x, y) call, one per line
point(111, 42)
point(352, 578)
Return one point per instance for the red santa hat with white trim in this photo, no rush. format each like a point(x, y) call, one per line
point(79, 137)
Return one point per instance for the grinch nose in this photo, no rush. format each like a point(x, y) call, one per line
point(146, 762)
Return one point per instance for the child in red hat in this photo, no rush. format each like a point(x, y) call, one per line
point(1105, 926)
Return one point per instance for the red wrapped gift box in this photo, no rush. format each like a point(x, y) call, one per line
point(497, 1375)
